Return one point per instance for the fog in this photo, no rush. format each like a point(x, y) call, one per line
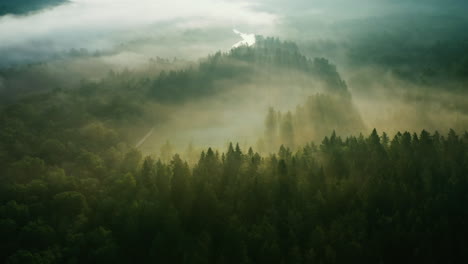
point(192, 30)
point(383, 53)
point(103, 25)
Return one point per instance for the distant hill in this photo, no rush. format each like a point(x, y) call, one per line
point(19, 7)
point(263, 61)
point(269, 62)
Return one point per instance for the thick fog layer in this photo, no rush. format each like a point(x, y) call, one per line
point(110, 26)
point(402, 66)
point(103, 24)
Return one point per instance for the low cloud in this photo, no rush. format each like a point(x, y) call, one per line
point(101, 24)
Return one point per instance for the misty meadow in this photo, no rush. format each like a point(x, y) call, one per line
point(259, 131)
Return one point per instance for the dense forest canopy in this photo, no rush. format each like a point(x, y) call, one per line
point(342, 200)
point(137, 132)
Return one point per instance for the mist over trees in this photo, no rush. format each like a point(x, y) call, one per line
point(242, 65)
point(427, 49)
point(130, 101)
point(343, 141)
point(318, 117)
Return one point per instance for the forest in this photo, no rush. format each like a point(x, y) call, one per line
point(74, 189)
point(360, 199)
point(137, 132)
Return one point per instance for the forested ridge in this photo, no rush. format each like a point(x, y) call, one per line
point(265, 62)
point(128, 102)
point(242, 65)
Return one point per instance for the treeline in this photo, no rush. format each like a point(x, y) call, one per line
point(241, 65)
point(360, 199)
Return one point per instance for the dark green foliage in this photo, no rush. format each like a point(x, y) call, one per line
point(366, 200)
point(25, 6)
